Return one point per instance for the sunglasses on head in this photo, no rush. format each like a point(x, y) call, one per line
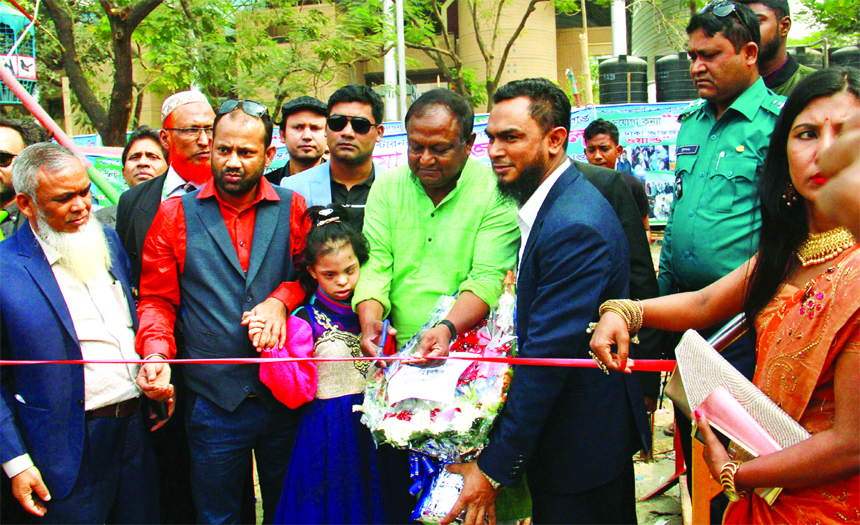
point(359, 124)
point(6, 158)
point(724, 8)
point(254, 109)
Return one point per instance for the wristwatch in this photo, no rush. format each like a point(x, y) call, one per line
point(450, 326)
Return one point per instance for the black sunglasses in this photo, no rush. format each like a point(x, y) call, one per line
point(6, 158)
point(254, 109)
point(359, 124)
point(724, 8)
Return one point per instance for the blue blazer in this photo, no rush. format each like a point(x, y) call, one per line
point(313, 184)
point(572, 429)
point(42, 406)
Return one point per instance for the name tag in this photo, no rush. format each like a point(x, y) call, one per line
point(687, 150)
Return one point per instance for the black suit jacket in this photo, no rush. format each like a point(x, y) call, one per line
point(135, 212)
point(572, 428)
point(643, 278)
point(14, 221)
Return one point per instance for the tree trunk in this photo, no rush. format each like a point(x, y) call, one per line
point(64, 26)
point(112, 123)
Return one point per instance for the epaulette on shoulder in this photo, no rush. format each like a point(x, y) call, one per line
point(694, 106)
point(775, 104)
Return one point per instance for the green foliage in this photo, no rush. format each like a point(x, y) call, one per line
point(838, 19)
point(92, 32)
point(467, 77)
point(425, 23)
point(267, 50)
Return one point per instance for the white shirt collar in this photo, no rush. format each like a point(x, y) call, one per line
point(173, 184)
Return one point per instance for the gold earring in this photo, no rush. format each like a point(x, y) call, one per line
point(789, 195)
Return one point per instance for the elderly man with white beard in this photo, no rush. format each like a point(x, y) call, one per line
point(72, 437)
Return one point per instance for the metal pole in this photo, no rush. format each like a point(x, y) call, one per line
point(390, 64)
point(586, 63)
point(401, 58)
point(36, 110)
point(619, 28)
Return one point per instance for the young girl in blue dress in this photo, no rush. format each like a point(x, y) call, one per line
point(336, 474)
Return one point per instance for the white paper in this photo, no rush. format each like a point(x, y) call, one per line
point(434, 384)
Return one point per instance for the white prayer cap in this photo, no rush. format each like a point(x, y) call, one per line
point(180, 99)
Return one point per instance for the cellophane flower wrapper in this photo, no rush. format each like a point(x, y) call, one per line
point(439, 498)
point(455, 432)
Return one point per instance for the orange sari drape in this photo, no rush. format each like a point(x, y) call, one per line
point(801, 333)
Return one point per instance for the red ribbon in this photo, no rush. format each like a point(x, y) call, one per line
point(640, 365)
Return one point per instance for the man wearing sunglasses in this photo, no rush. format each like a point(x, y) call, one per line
point(723, 141)
point(780, 71)
point(302, 130)
point(15, 135)
point(352, 130)
point(218, 252)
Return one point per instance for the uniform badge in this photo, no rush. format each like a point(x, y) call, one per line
point(739, 149)
point(687, 150)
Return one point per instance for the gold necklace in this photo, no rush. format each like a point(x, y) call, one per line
point(820, 247)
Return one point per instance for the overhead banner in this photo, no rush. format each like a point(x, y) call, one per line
point(647, 132)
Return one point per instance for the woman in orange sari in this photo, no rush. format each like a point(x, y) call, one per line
point(803, 291)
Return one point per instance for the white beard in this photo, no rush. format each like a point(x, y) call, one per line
point(84, 253)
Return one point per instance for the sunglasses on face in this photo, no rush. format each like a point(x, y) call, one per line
point(6, 158)
point(724, 8)
point(251, 108)
point(359, 124)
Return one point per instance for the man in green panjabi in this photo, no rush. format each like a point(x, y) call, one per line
point(436, 227)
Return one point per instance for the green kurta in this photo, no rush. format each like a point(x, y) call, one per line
point(714, 226)
point(419, 252)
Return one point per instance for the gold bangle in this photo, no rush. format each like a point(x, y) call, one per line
point(727, 481)
point(630, 311)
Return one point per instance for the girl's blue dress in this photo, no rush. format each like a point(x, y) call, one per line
point(336, 473)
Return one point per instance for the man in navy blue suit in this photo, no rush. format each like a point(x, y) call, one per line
point(72, 437)
point(573, 430)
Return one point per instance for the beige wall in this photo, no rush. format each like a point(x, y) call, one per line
point(532, 55)
point(569, 51)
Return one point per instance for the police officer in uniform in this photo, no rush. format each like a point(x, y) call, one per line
point(721, 145)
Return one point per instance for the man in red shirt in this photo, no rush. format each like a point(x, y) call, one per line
point(213, 254)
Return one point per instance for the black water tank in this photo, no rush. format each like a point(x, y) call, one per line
point(673, 78)
point(807, 56)
point(623, 79)
point(846, 56)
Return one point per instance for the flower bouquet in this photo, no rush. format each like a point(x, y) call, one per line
point(447, 426)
